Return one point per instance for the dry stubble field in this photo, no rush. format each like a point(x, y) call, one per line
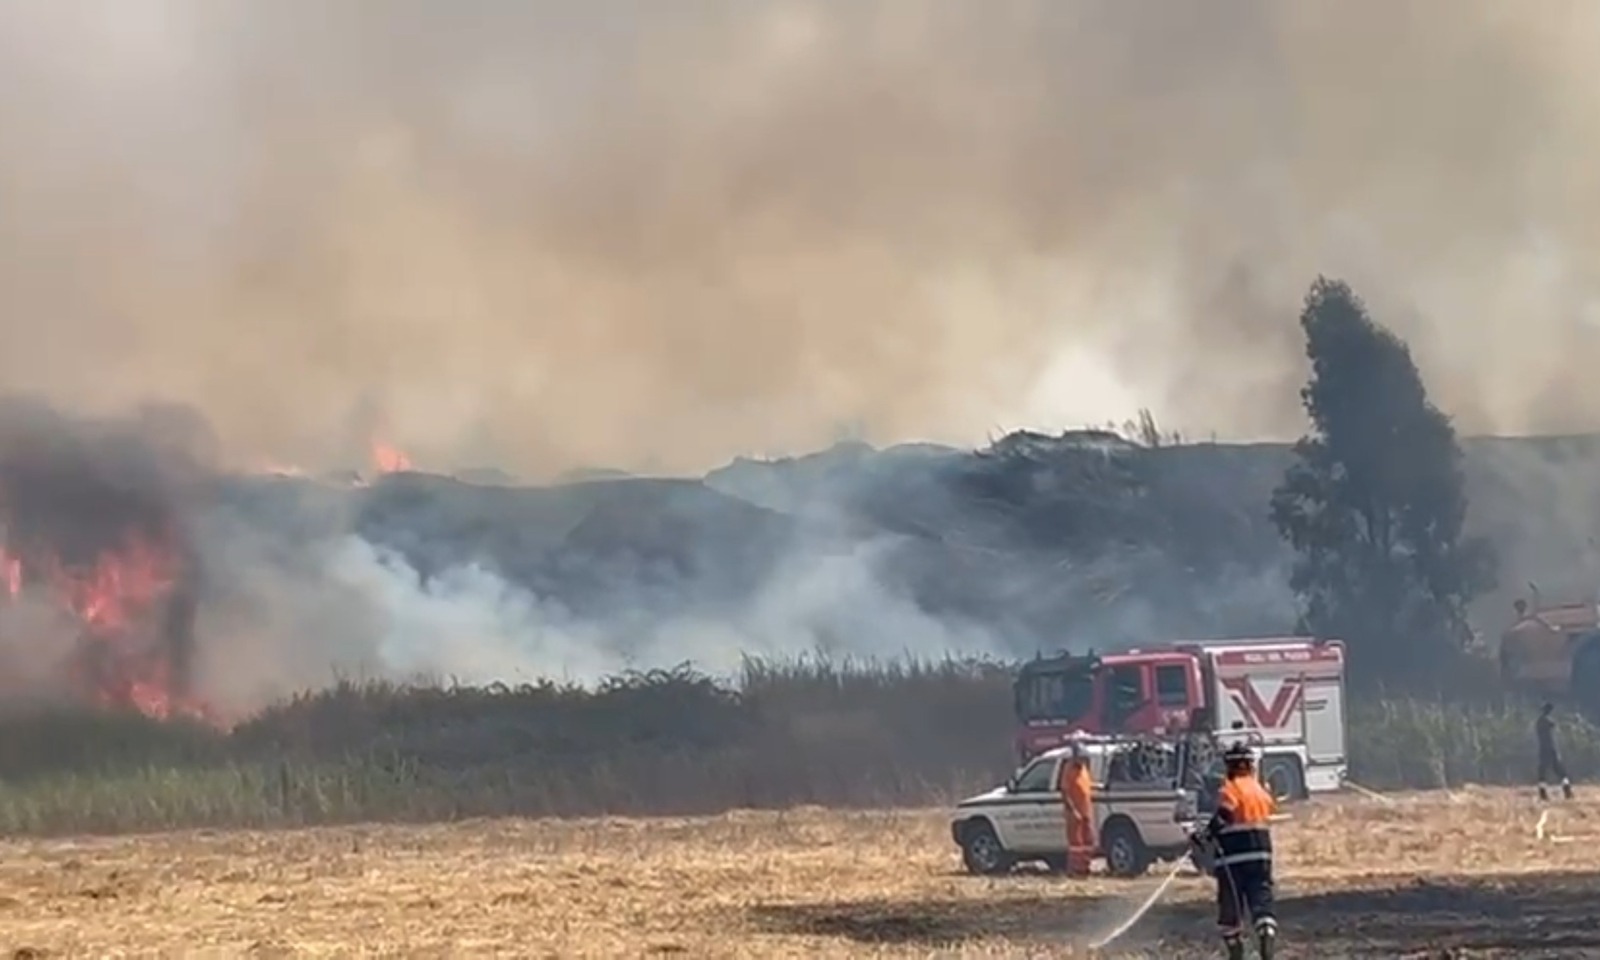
point(1420, 876)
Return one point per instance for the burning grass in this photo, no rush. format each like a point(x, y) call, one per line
point(665, 743)
point(1425, 872)
point(122, 605)
point(97, 574)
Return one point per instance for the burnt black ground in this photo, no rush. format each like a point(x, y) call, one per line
point(1521, 915)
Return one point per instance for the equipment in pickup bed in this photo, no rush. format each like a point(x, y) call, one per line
point(1142, 805)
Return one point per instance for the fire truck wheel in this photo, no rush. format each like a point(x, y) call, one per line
point(1282, 776)
point(1125, 852)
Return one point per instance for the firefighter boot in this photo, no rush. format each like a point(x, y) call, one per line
point(1235, 946)
point(1267, 944)
point(1544, 795)
point(1566, 788)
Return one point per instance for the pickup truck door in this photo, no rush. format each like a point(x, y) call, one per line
point(1033, 811)
point(1150, 804)
point(1152, 809)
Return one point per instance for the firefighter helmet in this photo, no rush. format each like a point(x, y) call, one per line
point(1239, 754)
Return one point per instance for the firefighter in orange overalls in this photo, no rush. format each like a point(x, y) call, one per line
point(1077, 803)
point(1239, 838)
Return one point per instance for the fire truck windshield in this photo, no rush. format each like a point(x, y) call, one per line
point(1061, 693)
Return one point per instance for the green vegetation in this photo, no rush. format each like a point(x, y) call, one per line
point(669, 742)
point(1375, 501)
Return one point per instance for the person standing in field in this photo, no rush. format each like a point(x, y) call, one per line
point(1550, 766)
point(1077, 803)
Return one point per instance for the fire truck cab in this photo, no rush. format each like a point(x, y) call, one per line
point(1285, 695)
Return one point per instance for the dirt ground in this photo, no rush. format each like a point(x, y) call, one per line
point(1424, 875)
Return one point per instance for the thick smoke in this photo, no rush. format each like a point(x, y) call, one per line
point(278, 587)
point(652, 235)
point(346, 607)
point(78, 490)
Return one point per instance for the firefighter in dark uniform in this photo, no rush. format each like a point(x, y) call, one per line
point(1238, 843)
point(1550, 766)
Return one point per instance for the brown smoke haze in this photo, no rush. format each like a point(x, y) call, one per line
point(654, 235)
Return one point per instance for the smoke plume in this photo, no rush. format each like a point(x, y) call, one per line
point(653, 235)
point(136, 573)
point(344, 606)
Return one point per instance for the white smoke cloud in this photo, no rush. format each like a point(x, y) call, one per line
point(465, 624)
point(347, 607)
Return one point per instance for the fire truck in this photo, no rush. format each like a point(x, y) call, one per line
point(1283, 694)
point(1555, 651)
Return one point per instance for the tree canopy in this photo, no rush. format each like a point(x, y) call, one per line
point(1375, 501)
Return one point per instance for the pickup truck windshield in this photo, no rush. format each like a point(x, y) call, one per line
point(1061, 694)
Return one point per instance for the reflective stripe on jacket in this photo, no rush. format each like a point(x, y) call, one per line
point(1241, 825)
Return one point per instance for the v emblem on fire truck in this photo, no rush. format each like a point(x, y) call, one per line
point(1261, 715)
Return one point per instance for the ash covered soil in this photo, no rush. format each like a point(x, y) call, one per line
point(1424, 875)
point(1522, 915)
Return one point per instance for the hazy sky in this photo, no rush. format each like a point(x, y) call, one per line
point(659, 234)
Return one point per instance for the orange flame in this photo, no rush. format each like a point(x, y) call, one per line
point(387, 458)
point(116, 595)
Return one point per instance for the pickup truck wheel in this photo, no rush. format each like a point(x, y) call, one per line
point(1125, 852)
point(981, 851)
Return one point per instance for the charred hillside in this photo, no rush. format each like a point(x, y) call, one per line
point(1173, 536)
point(1084, 538)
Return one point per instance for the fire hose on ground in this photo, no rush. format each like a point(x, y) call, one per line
point(1541, 832)
point(1144, 908)
point(1154, 898)
point(1539, 829)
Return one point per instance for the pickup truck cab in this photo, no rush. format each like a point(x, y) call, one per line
point(1142, 816)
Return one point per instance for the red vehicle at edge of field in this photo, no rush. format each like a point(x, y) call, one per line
point(1285, 694)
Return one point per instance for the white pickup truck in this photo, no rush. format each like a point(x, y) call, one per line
point(1140, 820)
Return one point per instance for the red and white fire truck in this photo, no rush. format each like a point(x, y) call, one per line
point(1283, 694)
